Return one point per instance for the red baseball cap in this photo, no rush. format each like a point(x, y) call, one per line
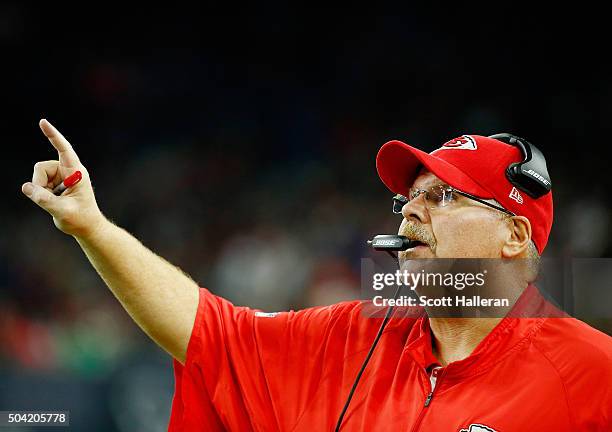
point(471, 163)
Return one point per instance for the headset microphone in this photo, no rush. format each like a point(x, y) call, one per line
point(386, 243)
point(391, 242)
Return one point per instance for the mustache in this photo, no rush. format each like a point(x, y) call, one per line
point(416, 231)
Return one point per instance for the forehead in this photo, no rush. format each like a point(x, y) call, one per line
point(425, 178)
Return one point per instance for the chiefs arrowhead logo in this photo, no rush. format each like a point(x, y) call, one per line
point(475, 427)
point(464, 142)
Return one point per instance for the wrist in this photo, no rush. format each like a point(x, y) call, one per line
point(95, 229)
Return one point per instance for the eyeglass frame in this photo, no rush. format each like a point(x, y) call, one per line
point(404, 200)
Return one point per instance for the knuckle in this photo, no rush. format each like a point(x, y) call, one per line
point(41, 199)
point(43, 165)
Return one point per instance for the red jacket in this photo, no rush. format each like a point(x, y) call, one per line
point(292, 371)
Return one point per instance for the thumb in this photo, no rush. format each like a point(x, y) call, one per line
point(44, 198)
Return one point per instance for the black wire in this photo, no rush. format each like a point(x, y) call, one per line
point(367, 359)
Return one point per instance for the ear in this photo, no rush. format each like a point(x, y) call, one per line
point(518, 237)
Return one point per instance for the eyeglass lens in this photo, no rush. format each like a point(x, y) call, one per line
point(435, 196)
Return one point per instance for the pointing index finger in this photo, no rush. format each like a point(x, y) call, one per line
point(67, 155)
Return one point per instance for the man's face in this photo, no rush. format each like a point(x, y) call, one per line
point(463, 229)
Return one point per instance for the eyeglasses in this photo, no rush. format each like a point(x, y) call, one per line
point(439, 196)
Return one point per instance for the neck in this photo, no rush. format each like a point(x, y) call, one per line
point(454, 339)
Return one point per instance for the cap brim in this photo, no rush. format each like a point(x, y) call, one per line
point(398, 164)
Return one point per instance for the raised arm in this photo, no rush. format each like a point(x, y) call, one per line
point(159, 297)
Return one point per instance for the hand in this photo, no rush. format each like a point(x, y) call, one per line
point(75, 211)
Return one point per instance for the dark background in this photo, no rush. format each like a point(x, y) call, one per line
point(241, 148)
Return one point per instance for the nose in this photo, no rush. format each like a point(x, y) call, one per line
point(416, 208)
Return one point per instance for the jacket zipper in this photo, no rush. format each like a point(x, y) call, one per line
point(434, 378)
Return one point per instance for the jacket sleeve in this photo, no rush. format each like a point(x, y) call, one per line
point(249, 370)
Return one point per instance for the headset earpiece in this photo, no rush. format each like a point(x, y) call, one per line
point(531, 174)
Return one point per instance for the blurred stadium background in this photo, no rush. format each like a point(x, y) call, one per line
point(242, 149)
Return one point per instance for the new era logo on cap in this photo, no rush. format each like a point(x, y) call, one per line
point(464, 142)
point(516, 196)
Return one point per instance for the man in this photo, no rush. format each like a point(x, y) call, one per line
point(238, 369)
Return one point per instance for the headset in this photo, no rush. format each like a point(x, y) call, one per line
point(530, 175)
